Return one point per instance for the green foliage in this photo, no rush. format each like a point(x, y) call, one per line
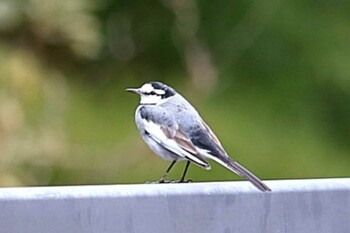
point(270, 77)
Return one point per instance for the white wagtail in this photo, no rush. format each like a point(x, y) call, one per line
point(175, 131)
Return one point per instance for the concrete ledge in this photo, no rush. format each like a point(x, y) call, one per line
point(320, 205)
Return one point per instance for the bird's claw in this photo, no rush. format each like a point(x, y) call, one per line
point(163, 181)
point(185, 181)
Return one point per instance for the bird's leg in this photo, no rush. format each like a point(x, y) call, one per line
point(162, 179)
point(182, 180)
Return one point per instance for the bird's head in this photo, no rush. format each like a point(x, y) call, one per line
point(153, 92)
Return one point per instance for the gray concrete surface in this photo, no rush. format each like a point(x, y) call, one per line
point(294, 206)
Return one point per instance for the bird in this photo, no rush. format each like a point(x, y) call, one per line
point(174, 130)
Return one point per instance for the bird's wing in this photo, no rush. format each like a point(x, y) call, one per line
point(212, 135)
point(163, 129)
point(183, 141)
point(206, 141)
point(211, 148)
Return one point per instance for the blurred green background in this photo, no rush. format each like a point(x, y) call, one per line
point(271, 78)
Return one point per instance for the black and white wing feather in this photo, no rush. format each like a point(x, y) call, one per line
point(207, 142)
point(164, 130)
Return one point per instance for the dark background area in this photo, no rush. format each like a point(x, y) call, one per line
point(271, 78)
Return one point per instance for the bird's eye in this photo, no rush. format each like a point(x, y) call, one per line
point(153, 93)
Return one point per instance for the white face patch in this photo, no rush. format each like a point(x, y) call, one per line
point(150, 95)
point(150, 99)
point(148, 88)
point(159, 92)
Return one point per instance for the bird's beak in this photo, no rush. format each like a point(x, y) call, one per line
point(133, 90)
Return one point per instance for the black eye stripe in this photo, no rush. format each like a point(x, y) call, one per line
point(160, 90)
point(152, 93)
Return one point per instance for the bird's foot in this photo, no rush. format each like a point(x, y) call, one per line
point(162, 181)
point(184, 181)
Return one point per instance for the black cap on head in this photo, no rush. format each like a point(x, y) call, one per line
point(161, 86)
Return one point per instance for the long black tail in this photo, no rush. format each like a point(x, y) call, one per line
point(243, 172)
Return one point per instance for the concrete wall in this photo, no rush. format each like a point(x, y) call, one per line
point(298, 206)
